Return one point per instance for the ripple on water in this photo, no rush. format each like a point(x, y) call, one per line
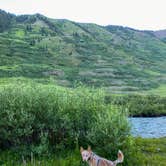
point(149, 127)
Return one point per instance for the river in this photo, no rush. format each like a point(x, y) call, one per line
point(154, 127)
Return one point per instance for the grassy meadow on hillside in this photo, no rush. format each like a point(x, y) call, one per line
point(161, 91)
point(121, 59)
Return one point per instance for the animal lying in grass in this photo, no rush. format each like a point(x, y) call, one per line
point(95, 160)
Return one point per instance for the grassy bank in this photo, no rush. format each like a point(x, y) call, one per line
point(150, 152)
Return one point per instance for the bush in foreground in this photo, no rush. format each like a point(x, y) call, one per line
point(40, 119)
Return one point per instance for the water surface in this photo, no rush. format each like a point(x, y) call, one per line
point(149, 127)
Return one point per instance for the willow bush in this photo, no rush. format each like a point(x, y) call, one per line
point(40, 119)
point(30, 112)
point(112, 133)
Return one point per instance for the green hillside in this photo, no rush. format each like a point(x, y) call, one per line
point(115, 57)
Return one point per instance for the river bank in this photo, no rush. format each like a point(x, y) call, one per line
point(151, 151)
point(139, 105)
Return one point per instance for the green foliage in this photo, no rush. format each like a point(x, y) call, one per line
point(71, 158)
point(112, 133)
point(29, 111)
point(160, 91)
point(39, 119)
point(5, 20)
point(120, 59)
point(141, 105)
point(148, 152)
point(151, 151)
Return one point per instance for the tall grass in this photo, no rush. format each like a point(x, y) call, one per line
point(46, 119)
point(149, 152)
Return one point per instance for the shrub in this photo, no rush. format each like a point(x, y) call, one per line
point(39, 119)
point(110, 133)
point(27, 111)
point(140, 105)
